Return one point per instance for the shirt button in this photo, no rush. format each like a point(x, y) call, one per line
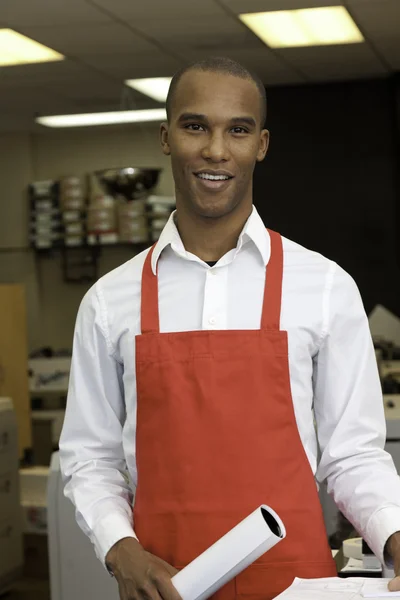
point(212, 320)
point(213, 271)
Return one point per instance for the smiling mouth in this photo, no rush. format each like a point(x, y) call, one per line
point(210, 177)
point(221, 176)
point(213, 183)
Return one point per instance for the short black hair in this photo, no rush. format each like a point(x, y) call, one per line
point(219, 64)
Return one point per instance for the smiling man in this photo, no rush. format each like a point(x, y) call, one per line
point(201, 365)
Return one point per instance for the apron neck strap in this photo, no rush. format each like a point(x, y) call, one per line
point(271, 313)
point(150, 321)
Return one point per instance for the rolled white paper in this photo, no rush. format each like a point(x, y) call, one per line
point(231, 554)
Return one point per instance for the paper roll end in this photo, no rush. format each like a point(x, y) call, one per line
point(273, 521)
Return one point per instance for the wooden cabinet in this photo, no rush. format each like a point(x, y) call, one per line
point(14, 359)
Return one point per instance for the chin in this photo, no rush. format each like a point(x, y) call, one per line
point(213, 209)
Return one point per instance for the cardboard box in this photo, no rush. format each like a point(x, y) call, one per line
point(101, 227)
point(74, 228)
point(43, 189)
point(73, 241)
point(136, 208)
point(46, 229)
point(111, 237)
point(127, 225)
point(73, 188)
point(134, 238)
point(72, 181)
point(101, 220)
point(33, 485)
point(73, 204)
point(161, 200)
point(33, 489)
point(72, 194)
point(44, 204)
point(71, 216)
point(46, 216)
point(99, 202)
point(95, 215)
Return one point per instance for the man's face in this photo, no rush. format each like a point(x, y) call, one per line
point(214, 138)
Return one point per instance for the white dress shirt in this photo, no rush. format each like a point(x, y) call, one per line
point(333, 375)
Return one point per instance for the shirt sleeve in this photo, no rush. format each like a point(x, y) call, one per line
point(91, 451)
point(350, 420)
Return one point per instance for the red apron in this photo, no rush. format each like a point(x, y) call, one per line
point(217, 436)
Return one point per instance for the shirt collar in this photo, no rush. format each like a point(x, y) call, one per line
point(254, 230)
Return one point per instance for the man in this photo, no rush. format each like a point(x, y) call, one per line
point(199, 366)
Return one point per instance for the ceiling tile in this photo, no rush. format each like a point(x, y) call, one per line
point(75, 40)
point(248, 6)
point(42, 73)
point(160, 9)
point(184, 29)
point(99, 87)
point(129, 65)
point(377, 17)
point(335, 62)
point(390, 50)
point(30, 13)
point(104, 96)
point(284, 77)
point(13, 123)
point(380, 22)
point(215, 36)
point(268, 66)
point(28, 102)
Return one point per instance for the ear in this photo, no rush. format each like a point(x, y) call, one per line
point(264, 144)
point(164, 139)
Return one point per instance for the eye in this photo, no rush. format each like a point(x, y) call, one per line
point(194, 127)
point(240, 130)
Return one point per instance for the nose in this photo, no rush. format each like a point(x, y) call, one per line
point(215, 149)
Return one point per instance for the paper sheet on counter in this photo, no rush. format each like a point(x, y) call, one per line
point(378, 588)
point(335, 588)
point(234, 552)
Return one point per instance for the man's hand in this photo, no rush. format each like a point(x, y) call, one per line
point(140, 575)
point(393, 549)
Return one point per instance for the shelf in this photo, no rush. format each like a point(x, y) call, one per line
point(136, 245)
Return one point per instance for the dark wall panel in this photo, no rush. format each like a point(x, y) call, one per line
point(330, 180)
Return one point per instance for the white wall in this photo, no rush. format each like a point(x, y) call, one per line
point(52, 303)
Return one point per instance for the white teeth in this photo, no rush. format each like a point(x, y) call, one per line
point(212, 177)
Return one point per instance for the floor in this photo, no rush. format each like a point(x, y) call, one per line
point(29, 589)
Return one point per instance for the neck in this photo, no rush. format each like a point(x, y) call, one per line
point(209, 238)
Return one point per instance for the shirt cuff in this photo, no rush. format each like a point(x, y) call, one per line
point(384, 523)
point(108, 531)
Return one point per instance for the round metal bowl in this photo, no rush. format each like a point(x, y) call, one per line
point(130, 182)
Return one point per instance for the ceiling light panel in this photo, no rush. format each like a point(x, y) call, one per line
point(305, 27)
point(106, 118)
point(17, 49)
point(154, 87)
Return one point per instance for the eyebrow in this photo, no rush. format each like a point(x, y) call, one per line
point(183, 118)
point(248, 120)
point(191, 117)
